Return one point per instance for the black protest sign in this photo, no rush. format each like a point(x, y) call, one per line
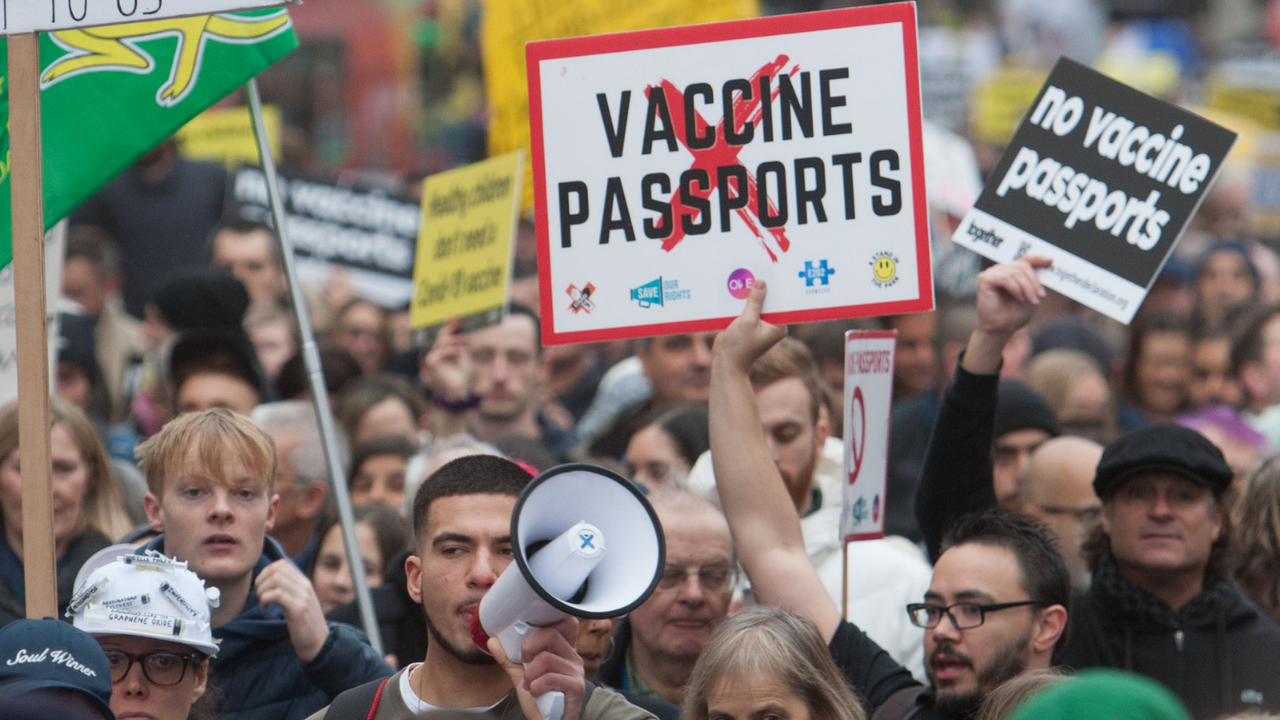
point(1103, 179)
point(368, 233)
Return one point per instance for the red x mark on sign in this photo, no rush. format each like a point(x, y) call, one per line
point(722, 154)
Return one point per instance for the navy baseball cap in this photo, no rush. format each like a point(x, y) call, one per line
point(47, 654)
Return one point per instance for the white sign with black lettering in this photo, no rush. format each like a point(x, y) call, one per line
point(674, 167)
point(868, 395)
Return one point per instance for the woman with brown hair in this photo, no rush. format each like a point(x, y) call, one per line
point(765, 657)
point(1257, 520)
point(87, 509)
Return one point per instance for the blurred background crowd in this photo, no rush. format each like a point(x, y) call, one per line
point(180, 305)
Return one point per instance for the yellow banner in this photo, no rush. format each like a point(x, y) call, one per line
point(1000, 102)
point(463, 264)
point(225, 135)
point(509, 24)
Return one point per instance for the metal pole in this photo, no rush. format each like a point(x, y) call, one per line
point(315, 374)
point(26, 185)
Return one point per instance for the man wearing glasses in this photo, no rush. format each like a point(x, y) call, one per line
point(1058, 491)
point(1160, 602)
point(658, 644)
point(995, 605)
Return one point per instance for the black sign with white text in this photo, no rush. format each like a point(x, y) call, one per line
point(1103, 179)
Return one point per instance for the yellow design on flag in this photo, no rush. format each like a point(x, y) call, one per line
point(114, 48)
point(509, 24)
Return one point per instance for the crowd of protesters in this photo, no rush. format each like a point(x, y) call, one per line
point(1082, 518)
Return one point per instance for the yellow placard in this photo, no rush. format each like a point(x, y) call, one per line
point(1000, 102)
point(509, 24)
point(225, 135)
point(463, 264)
point(1261, 105)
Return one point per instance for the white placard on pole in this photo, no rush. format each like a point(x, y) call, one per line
point(868, 397)
point(674, 167)
point(26, 16)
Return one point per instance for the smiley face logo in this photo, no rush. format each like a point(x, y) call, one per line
point(884, 269)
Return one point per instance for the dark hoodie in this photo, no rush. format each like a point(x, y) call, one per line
point(401, 622)
point(260, 675)
point(1218, 653)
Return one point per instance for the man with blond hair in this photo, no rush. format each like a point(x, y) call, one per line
point(210, 476)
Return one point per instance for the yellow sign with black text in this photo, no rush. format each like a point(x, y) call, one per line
point(463, 263)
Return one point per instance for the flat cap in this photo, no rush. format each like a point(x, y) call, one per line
point(1162, 448)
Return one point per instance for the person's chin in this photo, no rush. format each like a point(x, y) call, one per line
point(957, 701)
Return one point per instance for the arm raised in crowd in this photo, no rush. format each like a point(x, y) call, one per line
point(762, 517)
point(766, 529)
point(955, 478)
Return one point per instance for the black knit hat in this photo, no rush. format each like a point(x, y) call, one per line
point(1021, 408)
point(1162, 448)
point(195, 297)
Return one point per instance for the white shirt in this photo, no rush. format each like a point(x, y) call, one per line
point(417, 705)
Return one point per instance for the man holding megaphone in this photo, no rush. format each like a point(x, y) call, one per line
point(476, 519)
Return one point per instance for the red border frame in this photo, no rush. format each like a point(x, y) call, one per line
point(903, 13)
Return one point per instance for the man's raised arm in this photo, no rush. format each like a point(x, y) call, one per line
point(766, 529)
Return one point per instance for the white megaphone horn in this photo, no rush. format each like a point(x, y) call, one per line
point(586, 543)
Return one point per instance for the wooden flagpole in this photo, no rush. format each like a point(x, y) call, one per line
point(26, 183)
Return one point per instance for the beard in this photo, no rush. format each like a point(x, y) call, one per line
point(471, 654)
point(1008, 662)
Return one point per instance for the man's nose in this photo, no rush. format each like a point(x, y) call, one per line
point(702, 351)
point(484, 571)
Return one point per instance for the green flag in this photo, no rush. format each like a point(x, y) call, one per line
point(110, 94)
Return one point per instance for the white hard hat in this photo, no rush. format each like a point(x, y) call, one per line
point(146, 595)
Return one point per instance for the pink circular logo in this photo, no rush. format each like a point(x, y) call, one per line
point(740, 282)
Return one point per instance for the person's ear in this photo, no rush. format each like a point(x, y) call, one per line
point(201, 671)
point(313, 499)
point(155, 515)
point(822, 430)
point(1104, 518)
point(1052, 623)
point(413, 571)
point(1254, 379)
point(273, 506)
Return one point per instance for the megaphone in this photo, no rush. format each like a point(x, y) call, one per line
point(586, 543)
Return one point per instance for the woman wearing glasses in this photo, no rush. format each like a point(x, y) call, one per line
point(151, 616)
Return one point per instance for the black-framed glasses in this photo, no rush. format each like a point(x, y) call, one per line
point(712, 578)
point(964, 615)
point(161, 668)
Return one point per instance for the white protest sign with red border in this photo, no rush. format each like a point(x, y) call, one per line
point(656, 216)
point(868, 397)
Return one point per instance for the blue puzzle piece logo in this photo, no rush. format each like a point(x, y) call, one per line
point(816, 274)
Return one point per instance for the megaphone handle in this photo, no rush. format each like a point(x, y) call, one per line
point(551, 704)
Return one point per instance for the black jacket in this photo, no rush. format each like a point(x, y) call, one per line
point(956, 476)
point(78, 553)
point(1218, 653)
point(401, 622)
